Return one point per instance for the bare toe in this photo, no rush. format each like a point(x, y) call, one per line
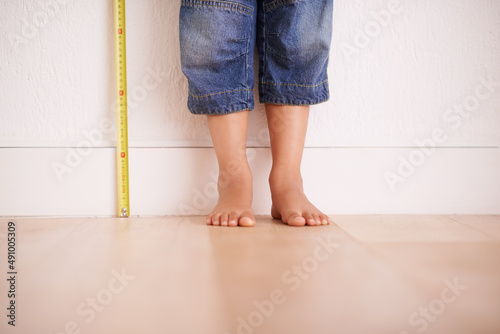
point(317, 220)
point(233, 219)
point(296, 219)
point(247, 219)
point(309, 219)
point(324, 219)
point(216, 220)
point(224, 219)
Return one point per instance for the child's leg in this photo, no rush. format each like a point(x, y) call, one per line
point(229, 134)
point(294, 40)
point(217, 40)
point(287, 130)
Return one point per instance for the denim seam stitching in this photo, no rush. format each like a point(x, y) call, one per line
point(209, 112)
point(277, 3)
point(221, 4)
point(286, 103)
point(228, 91)
point(264, 51)
point(246, 67)
point(297, 85)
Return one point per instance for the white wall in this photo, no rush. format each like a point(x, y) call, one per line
point(402, 74)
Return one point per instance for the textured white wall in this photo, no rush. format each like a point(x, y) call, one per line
point(390, 84)
point(399, 70)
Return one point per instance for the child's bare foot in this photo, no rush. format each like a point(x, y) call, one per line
point(229, 135)
point(290, 204)
point(235, 198)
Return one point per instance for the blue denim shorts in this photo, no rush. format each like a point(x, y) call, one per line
point(218, 38)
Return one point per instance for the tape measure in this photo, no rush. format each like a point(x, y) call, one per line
point(121, 112)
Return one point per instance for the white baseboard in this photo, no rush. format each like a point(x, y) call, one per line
point(172, 181)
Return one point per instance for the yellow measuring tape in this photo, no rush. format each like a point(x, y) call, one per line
point(121, 113)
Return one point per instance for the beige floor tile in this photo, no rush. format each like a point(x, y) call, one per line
point(489, 224)
point(404, 228)
point(473, 267)
point(175, 274)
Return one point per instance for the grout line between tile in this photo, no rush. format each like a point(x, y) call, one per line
point(469, 227)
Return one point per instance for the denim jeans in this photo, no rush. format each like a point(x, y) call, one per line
point(218, 38)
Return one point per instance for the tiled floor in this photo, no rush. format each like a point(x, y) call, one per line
point(363, 274)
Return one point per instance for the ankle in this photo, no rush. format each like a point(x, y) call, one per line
point(236, 174)
point(235, 168)
point(283, 177)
